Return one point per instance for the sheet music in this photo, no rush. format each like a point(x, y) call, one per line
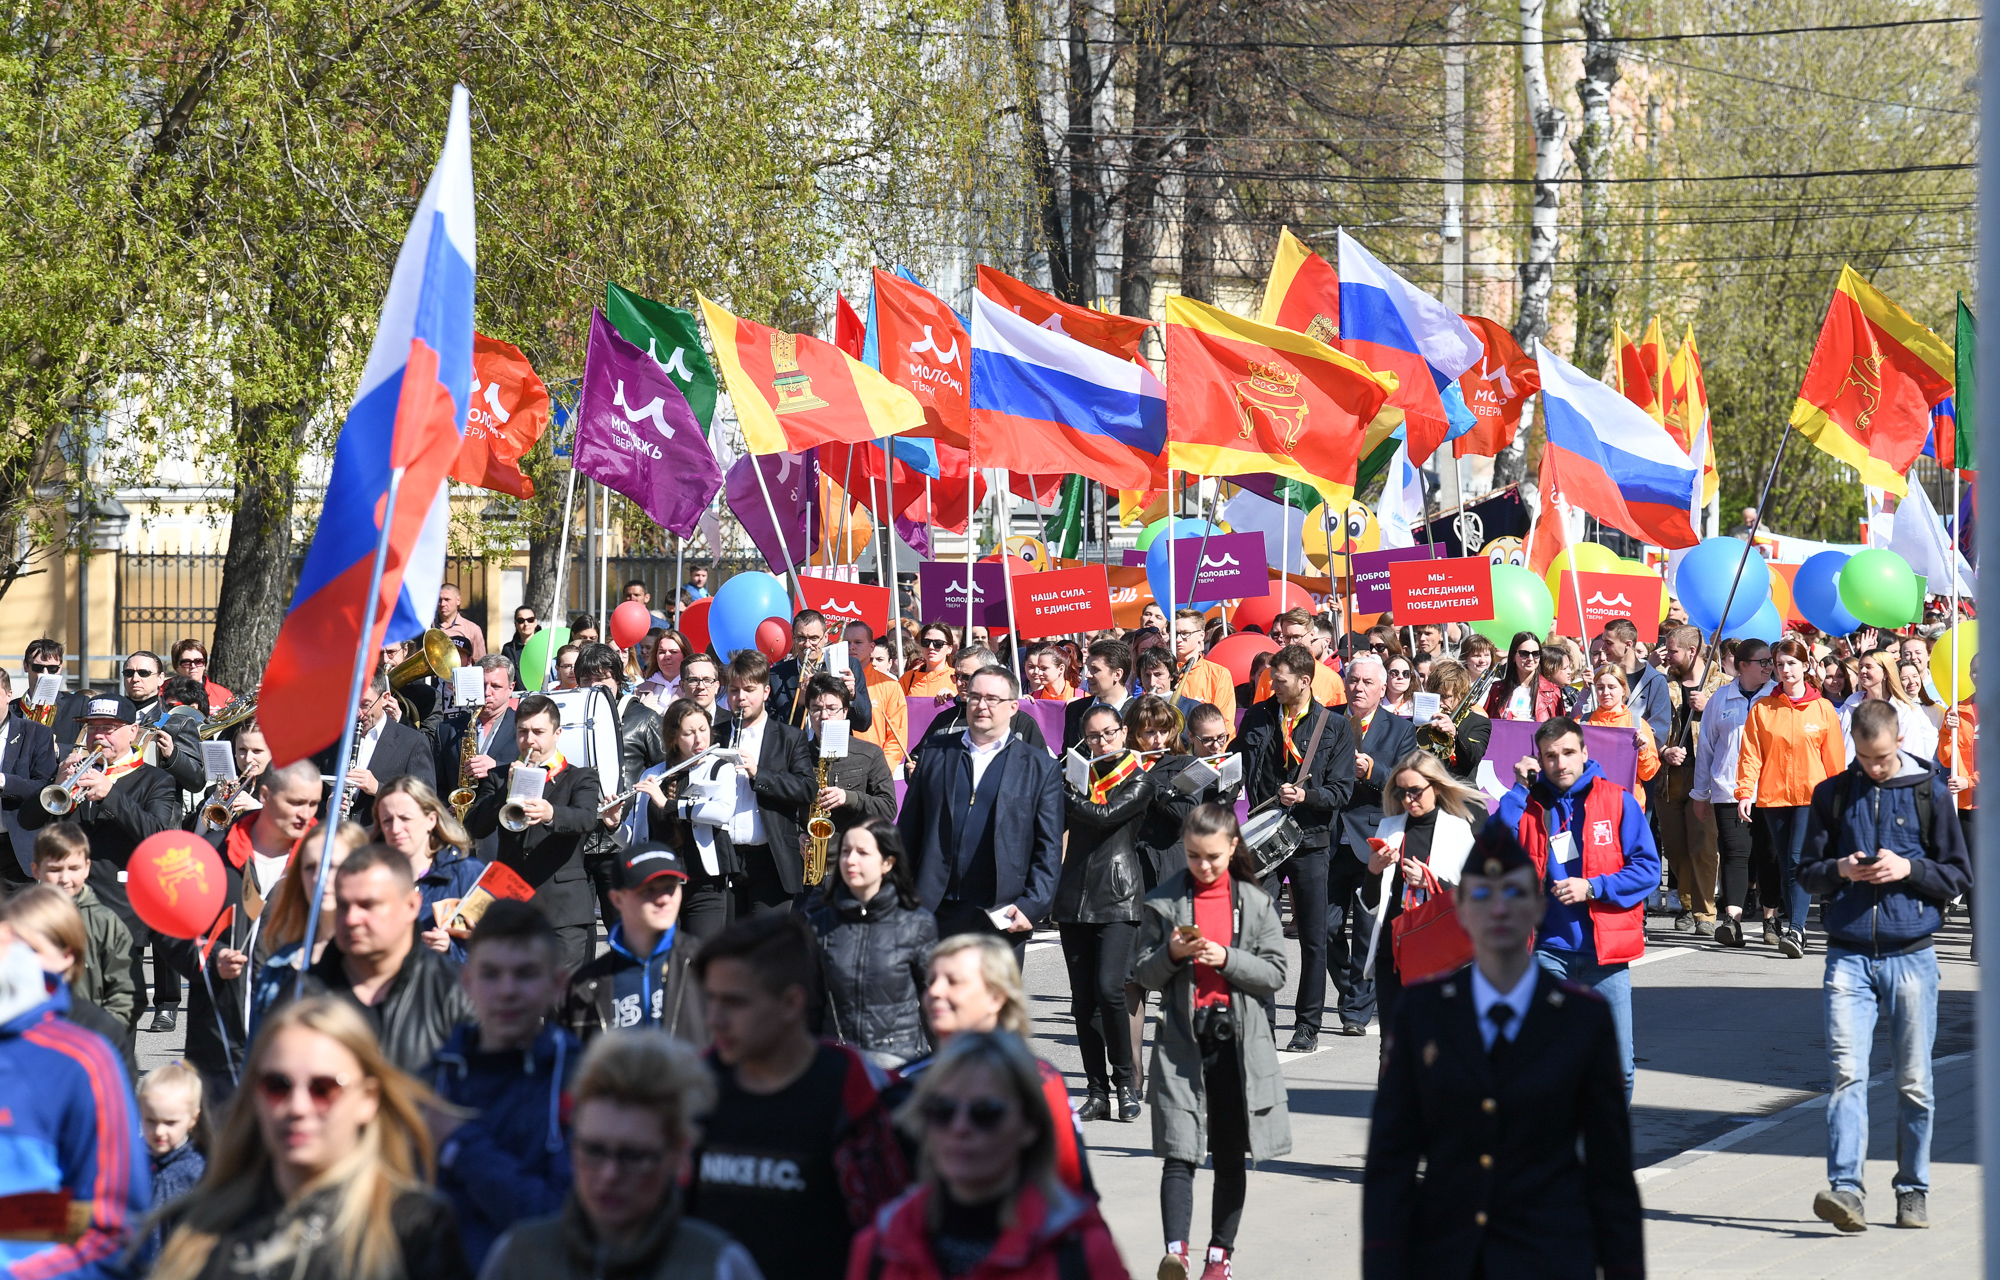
point(833, 736)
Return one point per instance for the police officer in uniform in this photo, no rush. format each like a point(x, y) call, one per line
point(1489, 1078)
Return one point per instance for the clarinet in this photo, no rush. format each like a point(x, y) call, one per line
point(347, 796)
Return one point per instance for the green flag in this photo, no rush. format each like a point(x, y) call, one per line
point(1964, 359)
point(1067, 522)
point(669, 335)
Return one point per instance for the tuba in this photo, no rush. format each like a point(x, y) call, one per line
point(819, 830)
point(240, 711)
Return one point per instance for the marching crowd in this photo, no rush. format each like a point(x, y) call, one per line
point(742, 993)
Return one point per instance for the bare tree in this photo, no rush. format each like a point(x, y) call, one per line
point(1531, 324)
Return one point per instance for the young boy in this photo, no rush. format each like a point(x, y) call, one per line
point(510, 1161)
point(170, 1119)
point(643, 977)
point(62, 859)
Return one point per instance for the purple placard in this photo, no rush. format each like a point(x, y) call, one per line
point(924, 710)
point(1232, 567)
point(1133, 559)
point(1371, 575)
point(1616, 751)
point(942, 588)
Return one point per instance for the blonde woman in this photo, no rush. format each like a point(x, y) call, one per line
point(410, 819)
point(1613, 689)
point(1429, 818)
point(1876, 677)
point(321, 1168)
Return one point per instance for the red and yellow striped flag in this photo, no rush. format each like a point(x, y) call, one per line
point(792, 391)
point(1639, 372)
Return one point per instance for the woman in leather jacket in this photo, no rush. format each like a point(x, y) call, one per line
point(1097, 906)
point(875, 941)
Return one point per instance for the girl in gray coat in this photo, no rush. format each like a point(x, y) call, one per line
point(1210, 943)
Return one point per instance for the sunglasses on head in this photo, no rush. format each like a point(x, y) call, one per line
point(983, 1114)
point(275, 1087)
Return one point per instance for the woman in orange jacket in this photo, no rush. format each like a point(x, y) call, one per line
point(1791, 744)
point(1613, 688)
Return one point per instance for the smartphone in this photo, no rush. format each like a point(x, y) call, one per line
point(1188, 932)
point(1867, 859)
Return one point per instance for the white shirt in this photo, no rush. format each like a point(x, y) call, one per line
point(1914, 731)
point(747, 827)
point(1721, 741)
point(369, 741)
point(983, 756)
point(1485, 995)
point(268, 871)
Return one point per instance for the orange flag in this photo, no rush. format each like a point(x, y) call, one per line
point(1495, 389)
point(1875, 374)
point(1639, 372)
point(1686, 398)
point(510, 410)
point(1303, 293)
point(1549, 537)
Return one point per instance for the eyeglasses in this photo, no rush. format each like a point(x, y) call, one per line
point(1188, 635)
point(1102, 735)
point(45, 668)
point(987, 699)
point(138, 673)
point(625, 1159)
point(1213, 740)
point(983, 1114)
point(275, 1087)
point(1484, 892)
point(700, 680)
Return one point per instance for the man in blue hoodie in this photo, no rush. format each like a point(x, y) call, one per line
point(1598, 859)
point(644, 977)
point(1885, 852)
point(70, 1151)
point(511, 1069)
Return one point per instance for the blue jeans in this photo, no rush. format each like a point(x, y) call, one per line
point(1858, 991)
point(1787, 827)
point(1613, 982)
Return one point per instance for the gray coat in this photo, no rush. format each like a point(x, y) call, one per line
point(1255, 968)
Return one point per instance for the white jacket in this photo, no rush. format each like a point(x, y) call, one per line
point(1914, 731)
point(1721, 741)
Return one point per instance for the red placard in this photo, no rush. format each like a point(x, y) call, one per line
point(1607, 596)
point(844, 602)
point(1061, 601)
point(1455, 590)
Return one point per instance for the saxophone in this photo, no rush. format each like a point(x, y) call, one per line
point(1438, 743)
point(461, 799)
point(819, 830)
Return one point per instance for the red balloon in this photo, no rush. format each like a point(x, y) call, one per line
point(694, 623)
point(774, 638)
point(1234, 652)
point(176, 883)
point(629, 624)
point(1259, 611)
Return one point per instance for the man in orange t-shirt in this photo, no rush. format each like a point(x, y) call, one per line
point(1295, 626)
point(1200, 680)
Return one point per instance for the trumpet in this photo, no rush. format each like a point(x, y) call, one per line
point(514, 813)
point(216, 813)
point(60, 797)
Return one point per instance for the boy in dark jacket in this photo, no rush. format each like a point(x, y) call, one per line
point(1885, 852)
point(643, 977)
point(510, 1160)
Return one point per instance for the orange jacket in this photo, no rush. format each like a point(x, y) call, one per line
point(1206, 681)
point(1788, 749)
point(919, 683)
point(1649, 752)
point(891, 727)
point(1329, 690)
point(1966, 765)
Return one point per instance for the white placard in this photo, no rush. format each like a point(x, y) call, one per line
point(833, 739)
point(526, 782)
point(1076, 770)
point(835, 656)
point(218, 760)
point(1426, 707)
point(47, 690)
point(468, 686)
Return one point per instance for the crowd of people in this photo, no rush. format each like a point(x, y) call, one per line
point(754, 956)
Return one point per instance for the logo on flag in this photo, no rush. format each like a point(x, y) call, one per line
point(795, 389)
point(1271, 400)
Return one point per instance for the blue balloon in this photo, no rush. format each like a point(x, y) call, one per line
point(741, 605)
point(1816, 592)
point(1763, 625)
point(1703, 581)
point(1156, 564)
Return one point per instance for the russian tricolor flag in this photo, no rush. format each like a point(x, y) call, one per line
point(1611, 459)
point(1045, 404)
point(1398, 328)
point(408, 416)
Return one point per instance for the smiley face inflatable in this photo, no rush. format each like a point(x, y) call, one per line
point(1506, 551)
point(1029, 555)
point(1323, 537)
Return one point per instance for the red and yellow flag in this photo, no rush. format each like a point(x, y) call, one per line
point(1303, 293)
point(1875, 374)
point(1639, 370)
point(1107, 331)
point(1686, 402)
point(510, 410)
point(793, 391)
point(1244, 397)
point(1549, 536)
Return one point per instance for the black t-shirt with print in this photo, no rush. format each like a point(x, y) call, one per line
point(764, 1172)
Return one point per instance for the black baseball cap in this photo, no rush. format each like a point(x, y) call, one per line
point(644, 861)
point(111, 706)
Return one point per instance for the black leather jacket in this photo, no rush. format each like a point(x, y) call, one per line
point(1101, 879)
point(415, 1015)
point(1160, 830)
point(876, 958)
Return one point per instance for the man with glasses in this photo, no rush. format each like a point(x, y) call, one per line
point(931, 675)
point(701, 684)
point(808, 644)
point(384, 749)
point(1744, 846)
point(1296, 626)
point(965, 664)
point(1200, 680)
point(526, 624)
point(983, 817)
point(191, 660)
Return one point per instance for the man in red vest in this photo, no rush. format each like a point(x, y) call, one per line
point(1596, 854)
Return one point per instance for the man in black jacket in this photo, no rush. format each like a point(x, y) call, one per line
point(858, 785)
point(27, 764)
point(1381, 740)
point(983, 817)
point(643, 978)
point(950, 723)
point(385, 750)
point(548, 851)
point(1277, 734)
point(1107, 682)
point(774, 787)
point(641, 745)
point(409, 993)
point(808, 642)
point(1503, 1084)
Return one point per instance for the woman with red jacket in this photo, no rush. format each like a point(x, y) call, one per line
point(988, 1206)
point(1791, 743)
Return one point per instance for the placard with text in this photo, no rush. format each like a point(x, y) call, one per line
point(941, 589)
point(1062, 601)
point(1605, 597)
point(1232, 567)
point(1456, 590)
point(844, 602)
point(1371, 575)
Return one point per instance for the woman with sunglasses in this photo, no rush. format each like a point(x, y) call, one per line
point(320, 1171)
point(635, 1113)
point(930, 674)
point(1430, 818)
point(1613, 689)
point(190, 659)
point(1399, 700)
point(988, 1203)
point(1531, 687)
point(1210, 943)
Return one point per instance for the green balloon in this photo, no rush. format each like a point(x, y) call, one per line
point(1521, 602)
point(1877, 587)
point(1152, 531)
point(539, 653)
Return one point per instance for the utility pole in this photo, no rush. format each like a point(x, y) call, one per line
point(1453, 231)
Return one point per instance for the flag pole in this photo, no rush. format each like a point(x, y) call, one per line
point(604, 564)
point(889, 546)
point(356, 683)
point(1200, 559)
point(1576, 587)
point(770, 509)
point(881, 559)
point(1172, 511)
point(971, 545)
point(1005, 499)
point(1952, 553)
point(846, 508)
point(559, 602)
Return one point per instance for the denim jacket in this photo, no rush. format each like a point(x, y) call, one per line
point(1852, 812)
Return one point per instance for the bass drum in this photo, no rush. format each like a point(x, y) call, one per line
point(589, 735)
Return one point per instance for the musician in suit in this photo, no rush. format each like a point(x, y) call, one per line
point(1107, 682)
point(1490, 1077)
point(858, 785)
point(808, 643)
point(27, 764)
point(119, 802)
point(548, 851)
point(1381, 738)
point(983, 817)
point(493, 721)
point(774, 787)
point(384, 749)
point(701, 684)
point(1278, 733)
point(44, 657)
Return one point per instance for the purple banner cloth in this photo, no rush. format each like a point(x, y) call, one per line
point(1046, 713)
point(1371, 575)
point(794, 482)
point(941, 587)
point(916, 536)
point(1616, 751)
point(1232, 567)
point(635, 434)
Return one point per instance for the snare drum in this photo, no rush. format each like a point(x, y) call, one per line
point(1271, 836)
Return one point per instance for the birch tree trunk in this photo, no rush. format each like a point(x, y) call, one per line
point(1024, 35)
point(1596, 279)
point(1139, 232)
point(1531, 324)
